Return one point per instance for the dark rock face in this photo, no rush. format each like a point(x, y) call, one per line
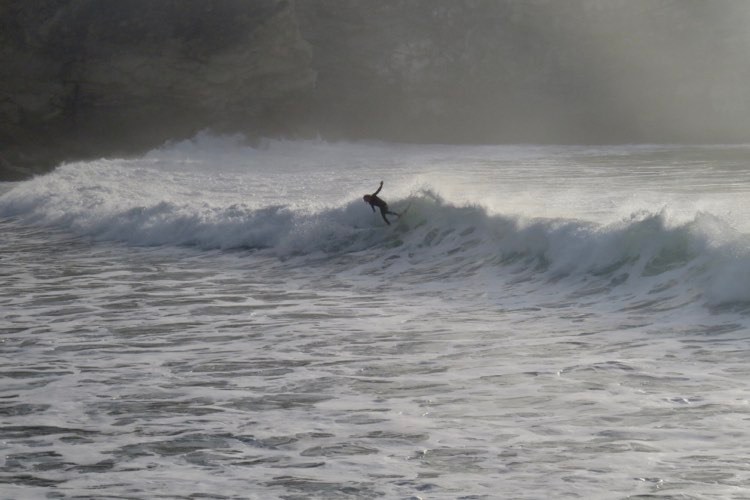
point(87, 78)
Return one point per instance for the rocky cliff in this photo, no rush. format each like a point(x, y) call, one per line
point(83, 78)
point(86, 78)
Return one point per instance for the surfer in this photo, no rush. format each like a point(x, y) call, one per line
point(374, 201)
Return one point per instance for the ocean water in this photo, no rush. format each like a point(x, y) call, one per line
point(218, 319)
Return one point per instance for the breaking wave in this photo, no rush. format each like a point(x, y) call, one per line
point(703, 257)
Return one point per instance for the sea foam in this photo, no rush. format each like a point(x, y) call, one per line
point(136, 204)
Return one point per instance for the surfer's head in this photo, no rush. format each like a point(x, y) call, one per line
point(367, 198)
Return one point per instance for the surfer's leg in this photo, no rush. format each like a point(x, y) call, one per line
point(399, 214)
point(383, 211)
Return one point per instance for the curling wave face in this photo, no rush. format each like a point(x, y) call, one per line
point(702, 259)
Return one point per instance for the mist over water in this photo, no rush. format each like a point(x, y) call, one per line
point(586, 71)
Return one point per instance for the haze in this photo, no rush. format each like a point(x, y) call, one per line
point(85, 78)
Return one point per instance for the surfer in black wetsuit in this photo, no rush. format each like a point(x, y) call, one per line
point(374, 201)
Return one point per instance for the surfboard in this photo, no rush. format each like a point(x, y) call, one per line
point(401, 214)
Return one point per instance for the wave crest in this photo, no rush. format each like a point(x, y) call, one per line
point(433, 239)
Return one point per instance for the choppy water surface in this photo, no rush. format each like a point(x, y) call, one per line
point(182, 331)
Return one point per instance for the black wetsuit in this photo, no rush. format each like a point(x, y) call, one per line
point(374, 201)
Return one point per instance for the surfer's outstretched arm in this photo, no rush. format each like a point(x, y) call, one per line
point(379, 188)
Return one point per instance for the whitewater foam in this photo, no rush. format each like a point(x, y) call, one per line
point(99, 203)
point(232, 319)
point(221, 193)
